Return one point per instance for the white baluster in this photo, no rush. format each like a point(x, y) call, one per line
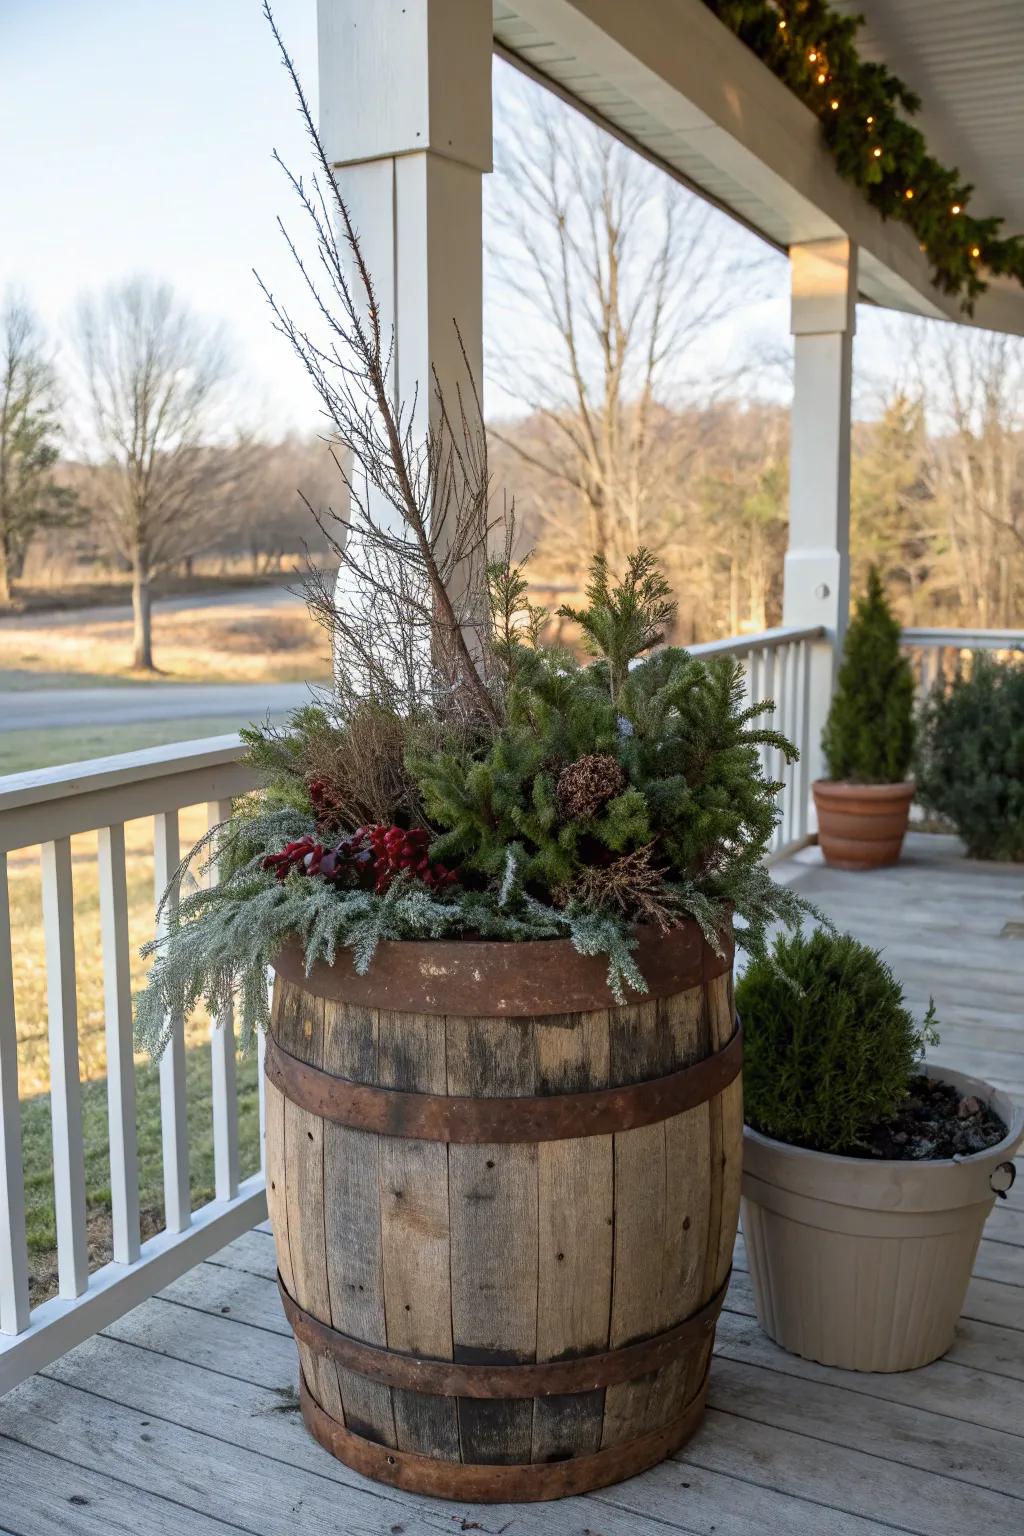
point(261, 1083)
point(782, 685)
point(802, 737)
point(173, 1105)
point(65, 1085)
point(117, 996)
point(14, 1307)
point(222, 1061)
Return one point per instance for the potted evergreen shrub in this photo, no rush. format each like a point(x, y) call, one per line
point(867, 1176)
point(970, 757)
point(864, 804)
point(500, 891)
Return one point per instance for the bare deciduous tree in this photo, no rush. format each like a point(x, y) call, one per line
point(154, 377)
point(31, 498)
point(977, 466)
point(611, 274)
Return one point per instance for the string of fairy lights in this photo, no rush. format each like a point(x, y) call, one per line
point(864, 109)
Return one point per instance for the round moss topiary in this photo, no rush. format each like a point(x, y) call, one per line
point(829, 1048)
point(970, 761)
point(869, 734)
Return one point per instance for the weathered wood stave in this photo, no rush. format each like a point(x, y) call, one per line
point(491, 1254)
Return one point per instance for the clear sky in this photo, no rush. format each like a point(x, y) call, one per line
point(137, 137)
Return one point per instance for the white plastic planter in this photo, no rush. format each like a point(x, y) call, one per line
point(864, 1264)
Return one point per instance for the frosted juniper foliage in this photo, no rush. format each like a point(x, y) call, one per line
point(463, 778)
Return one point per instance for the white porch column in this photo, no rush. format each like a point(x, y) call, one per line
point(405, 117)
point(817, 579)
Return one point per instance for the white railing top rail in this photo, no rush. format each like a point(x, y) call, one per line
point(762, 640)
point(50, 803)
point(966, 639)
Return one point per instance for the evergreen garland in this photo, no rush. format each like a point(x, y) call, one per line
point(869, 734)
point(860, 106)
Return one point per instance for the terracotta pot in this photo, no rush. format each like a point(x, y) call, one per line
point(864, 1264)
point(504, 1206)
point(861, 826)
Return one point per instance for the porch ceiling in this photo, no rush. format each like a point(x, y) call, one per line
point(668, 76)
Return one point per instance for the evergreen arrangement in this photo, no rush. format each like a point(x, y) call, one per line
point(970, 757)
point(461, 777)
point(829, 1049)
point(863, 110)
point(626, 791)
point(869, 734)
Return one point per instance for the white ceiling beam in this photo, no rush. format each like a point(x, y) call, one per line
point(676, 64)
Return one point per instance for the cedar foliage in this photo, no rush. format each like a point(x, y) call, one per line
point(970, 760)
point(869, 734)
point(829, 1048)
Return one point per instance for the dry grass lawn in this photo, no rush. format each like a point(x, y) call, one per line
point(242, 643)
point(31, 1010)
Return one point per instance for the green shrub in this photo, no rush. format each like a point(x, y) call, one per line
point(869, 734)
point(970, 760)
point(828, 1046)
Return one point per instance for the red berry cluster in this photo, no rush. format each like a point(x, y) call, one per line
point(398, 852)
point(373, 853)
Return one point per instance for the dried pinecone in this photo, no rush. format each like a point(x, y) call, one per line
point(587, 784)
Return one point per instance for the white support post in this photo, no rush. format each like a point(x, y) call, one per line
point(405, 120)
point(817, 585)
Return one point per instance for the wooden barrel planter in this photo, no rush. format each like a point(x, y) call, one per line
point(504, 1207)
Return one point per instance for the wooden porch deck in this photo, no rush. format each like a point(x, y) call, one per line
point(182, 1416)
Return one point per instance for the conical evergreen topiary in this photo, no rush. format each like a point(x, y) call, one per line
point(869, 734)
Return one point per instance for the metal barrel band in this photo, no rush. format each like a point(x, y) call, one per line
point(473, 977)
point(549, 1378)
point(499, 1483)
point(468, 1121)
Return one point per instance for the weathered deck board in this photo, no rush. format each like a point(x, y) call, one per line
point(182, 1417)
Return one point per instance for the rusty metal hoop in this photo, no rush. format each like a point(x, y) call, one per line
point(480, 1483)
point(450, 1378)
point(475, 1121)
point(532, 979)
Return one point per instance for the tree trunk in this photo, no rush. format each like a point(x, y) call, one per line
point(5, 572)
point(142, 659)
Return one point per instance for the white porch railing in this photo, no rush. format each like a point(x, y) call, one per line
point(778, 667)
point(940, 653)
point(46, 809)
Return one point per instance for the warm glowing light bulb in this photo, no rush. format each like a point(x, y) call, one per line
point(834, 105)
point(909, 192)
point(975, 250)
point(955, 208)
point(869, 121)
point(822, 79)
point(813, 56)
point(782, 26)
point(877, 153)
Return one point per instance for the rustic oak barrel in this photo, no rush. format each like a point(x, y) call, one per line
point(504, 1207)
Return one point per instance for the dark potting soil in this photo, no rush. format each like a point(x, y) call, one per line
point(934, 1122)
